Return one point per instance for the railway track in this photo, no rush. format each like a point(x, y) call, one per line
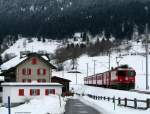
point(140, 91)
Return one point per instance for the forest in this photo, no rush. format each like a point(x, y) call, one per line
point(58, 19)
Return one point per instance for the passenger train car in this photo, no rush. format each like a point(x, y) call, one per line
point(121, 77)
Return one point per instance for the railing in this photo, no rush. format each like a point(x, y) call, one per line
point(132, 103)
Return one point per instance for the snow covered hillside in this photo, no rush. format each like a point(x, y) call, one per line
point(32, 45)
point(134, 57)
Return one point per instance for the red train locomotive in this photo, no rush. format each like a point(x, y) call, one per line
point(122, 77)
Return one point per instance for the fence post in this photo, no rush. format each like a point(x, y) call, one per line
point(148, 103)
point(104, 97)
point(135, 103)
point(59, 100)
point(119, 101)
point(125, 102)
point(9, 107)
point(108, 98)
point(114, 102)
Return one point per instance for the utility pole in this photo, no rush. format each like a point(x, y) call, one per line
point(87, 69)
point(109, 59)
point(146, 48)
point(94, 72)
point(76, 74)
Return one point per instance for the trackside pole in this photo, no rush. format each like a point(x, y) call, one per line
point(9, 109)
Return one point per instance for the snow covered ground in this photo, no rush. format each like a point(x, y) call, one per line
point(45, 105)
point(107, 107)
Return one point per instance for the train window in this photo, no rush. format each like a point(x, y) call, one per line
point(121, 73)
point(131, 73)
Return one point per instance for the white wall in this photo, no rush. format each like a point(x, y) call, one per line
point(13, 92)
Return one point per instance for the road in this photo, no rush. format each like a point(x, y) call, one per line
point(75, 106)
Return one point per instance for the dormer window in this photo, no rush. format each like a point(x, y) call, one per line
point(34, 61)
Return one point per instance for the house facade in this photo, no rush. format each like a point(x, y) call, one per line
point(33, 68)
point(21, 92)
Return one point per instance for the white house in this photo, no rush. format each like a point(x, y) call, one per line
point(21, 92)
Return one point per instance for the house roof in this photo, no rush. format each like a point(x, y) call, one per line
point(13, 63)
point(40, 57)
point(58, 78)
point(30, 84)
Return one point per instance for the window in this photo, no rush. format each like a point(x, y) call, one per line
point(49, 91)
point(34, 61)
point(41, 80)
point(121, 73)
point(41, 71)
point(26, 71)
point(26, 80)
point(131, 73)
point(21, 92)
point(34, 92)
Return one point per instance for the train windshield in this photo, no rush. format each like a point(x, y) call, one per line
point(121, 73)
point(130, 73)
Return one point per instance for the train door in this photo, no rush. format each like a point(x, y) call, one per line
point(108, 79)
point(105, 79)
point(102, 79)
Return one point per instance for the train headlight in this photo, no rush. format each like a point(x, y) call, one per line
point(126, 78)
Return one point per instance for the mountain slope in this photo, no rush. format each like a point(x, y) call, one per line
point(134, 57)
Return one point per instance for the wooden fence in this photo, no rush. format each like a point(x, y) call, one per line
point(132, 103)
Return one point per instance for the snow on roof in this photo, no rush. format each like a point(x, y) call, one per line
point(44, 57)
point(2, 78)
point(12, 63)
point(15, 61)
point(30, 84)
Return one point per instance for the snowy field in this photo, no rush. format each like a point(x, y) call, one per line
point(107, 107)
point(45, 105)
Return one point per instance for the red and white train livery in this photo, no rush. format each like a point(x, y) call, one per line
point(122, 77)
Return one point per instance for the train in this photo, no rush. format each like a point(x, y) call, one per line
point(121, 77)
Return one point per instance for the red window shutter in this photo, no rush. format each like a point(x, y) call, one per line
point(29, 70)
point(38, 71)
point(44, 71)
point(34, 61)
point(30, 92)
point(52, 91)
point(38, 92)
point(23, 80)
point(46, 92)
point(21, 92)
point(44, 80)
point(38, 80)
point(23, 71)
point(29, 80)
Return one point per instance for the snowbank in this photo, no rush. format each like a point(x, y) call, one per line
point(107, 107)
point(51, 104)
